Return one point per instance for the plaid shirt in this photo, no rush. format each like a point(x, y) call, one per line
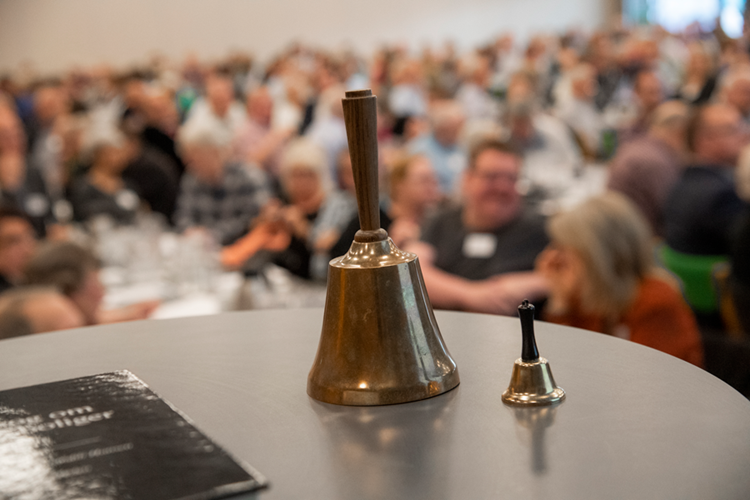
point(226, 209)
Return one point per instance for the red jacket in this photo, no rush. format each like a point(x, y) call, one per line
point(658, 318)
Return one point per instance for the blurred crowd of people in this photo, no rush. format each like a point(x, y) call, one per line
point(476, 148)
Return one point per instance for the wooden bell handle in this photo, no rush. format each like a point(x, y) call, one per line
point(360, 116)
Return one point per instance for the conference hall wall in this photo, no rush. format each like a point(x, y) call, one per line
point(55, 34)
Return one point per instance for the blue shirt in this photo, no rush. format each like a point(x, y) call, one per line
point(448, 162)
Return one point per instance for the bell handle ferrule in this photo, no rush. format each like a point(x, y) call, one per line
point(529, 351)
point(360, 117)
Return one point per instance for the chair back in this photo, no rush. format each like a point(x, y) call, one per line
point(697, 275)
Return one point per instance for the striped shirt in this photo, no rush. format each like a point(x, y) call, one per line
point(226, 209)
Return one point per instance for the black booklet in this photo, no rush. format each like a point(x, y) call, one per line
point(109, 436)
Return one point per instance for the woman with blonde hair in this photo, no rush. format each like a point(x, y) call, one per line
point(601, 275)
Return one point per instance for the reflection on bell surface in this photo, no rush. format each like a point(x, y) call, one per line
point(380, 343)
point(531, 382)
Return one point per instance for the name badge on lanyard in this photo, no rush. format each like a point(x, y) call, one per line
point(479, 245)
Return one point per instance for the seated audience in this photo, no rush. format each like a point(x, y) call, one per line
point(413, 195)
point(339, 211)
point(739, 279)
point(328, 129)
point(291, 93)
point(441, 146)
point(475, 256)
point(29, 310)
point(551, 158)
point(218, 110)
point(473, 95)
point(703, 208)
point(292, 231)
point(648, 94)
point(735, 91)
point(646, 169)
point(407, 97)
point(217, 195)
point(131, 112)
point(739, 273)
point(161, 120)
point(580, 113)
point(567, 60)
point(700, 77)
point(103, 191)
point(601, 277)
point(74, 271)
point(20, 184)
point(51, 104)
point(478, 256)
point(601, 53)
point(153, 175)
point(17, 245)
point(256, 143)
point(742, 174)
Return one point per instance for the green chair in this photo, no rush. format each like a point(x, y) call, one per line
point(696, 273)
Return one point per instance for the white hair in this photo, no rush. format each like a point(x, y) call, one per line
point(203, 133)
point(304, 153)
point(99, 135)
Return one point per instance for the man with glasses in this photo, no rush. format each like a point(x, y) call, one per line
point(478, 257)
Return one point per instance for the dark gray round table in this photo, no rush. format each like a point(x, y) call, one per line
point(636, 424)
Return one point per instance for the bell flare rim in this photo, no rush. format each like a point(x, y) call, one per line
point(337, 396)
point(557, 395)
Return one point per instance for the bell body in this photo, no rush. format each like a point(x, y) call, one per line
point(380, 343)
point(532, 383)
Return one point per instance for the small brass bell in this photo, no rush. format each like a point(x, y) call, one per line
point(531, 382)
point(380, 343)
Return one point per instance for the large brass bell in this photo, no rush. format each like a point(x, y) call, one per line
point(531, 382)
point(380, 343)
